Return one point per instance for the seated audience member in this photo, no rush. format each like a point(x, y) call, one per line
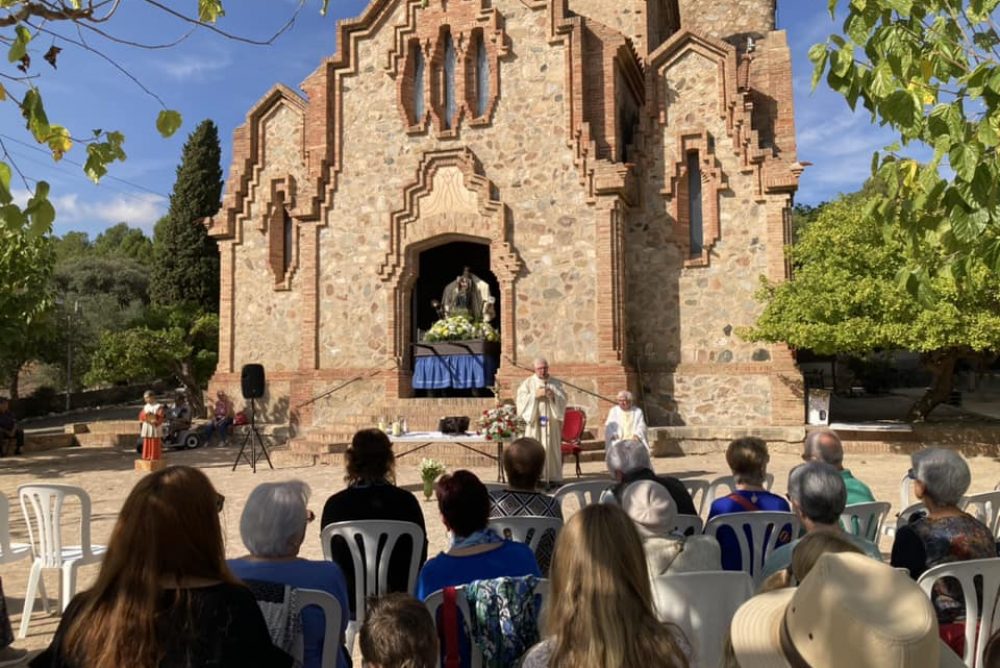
point(850, 611)
point(599, 611)
point(164, 595)
point(945, 534)
point(273, 526)
point(824, 445)
point(654, 512)
point(178, 417)
point(476, 552)
point(817, 493)
point(9, 656)
point(523, 462)
point(398, 633)
point(747, 458)
point(625, 422)
point(628, 461)
point(371, 494)
point(807, 552)
point(222, 419)
point(9, 431)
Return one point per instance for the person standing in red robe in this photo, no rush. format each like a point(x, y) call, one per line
point(150, 421)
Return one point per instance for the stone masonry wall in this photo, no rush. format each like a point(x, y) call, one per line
point(730, 21)
point(265, 319)
point(683, 319)
point(523, 152)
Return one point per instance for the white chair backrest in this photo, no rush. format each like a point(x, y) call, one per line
point(374, 579)
point(985, 507)
point(435, 601)
point(967, 572)
point(702, 605)
point(725, 485)
point(9, 551)
point(865, 519)
point(332, 616)
point(765, 529)
point(42, 505)
point(904, 517)
point(904, 490)
point(685, 522)
point(585, 492)
point(697, 488)
point(527, 529)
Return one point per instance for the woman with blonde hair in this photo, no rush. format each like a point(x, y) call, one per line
point(600, 607)
point(164, 597)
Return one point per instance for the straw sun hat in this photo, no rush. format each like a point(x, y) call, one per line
point(850, 611)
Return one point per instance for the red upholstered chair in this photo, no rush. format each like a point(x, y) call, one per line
point(574, 422)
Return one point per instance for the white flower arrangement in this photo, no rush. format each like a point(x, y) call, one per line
point(460, 328)
point(430, 469)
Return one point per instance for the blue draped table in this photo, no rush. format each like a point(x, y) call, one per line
point(458, 364)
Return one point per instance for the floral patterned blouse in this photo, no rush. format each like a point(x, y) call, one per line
point(931, 541)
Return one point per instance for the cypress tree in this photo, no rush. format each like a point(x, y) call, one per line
point(186, 259)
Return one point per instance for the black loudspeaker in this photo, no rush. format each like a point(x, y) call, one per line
point(252, 380)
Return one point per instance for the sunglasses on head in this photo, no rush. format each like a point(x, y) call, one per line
point(220, 501)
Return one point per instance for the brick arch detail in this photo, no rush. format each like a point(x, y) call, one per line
point(412, 231)
point(713, 180)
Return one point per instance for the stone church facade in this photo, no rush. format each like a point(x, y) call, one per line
point(627, 168)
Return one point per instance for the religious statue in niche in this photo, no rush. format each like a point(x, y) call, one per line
point(465, 311)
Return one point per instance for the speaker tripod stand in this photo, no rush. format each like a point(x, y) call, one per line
point(254, 439)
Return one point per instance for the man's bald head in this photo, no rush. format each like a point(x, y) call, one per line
point(824, 445)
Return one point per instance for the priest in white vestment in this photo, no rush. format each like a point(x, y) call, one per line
point(541, 403)
point(625, 423)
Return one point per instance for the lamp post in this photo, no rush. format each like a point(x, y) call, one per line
point(70, 315)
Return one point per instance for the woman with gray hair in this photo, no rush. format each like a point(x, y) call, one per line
point(273, 526)
point(628, 462)
point(946, 534)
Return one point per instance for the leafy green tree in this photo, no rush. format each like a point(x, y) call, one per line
point(844, 298)
point(186, 259)
point(122, 241)
point(178, 341)
point(71, 245)
point(930, 70)
point(25, 297)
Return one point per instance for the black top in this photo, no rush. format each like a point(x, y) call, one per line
point(679, 493)
point(377, 501)
point(226, 629)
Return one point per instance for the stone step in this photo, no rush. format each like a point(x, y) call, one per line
point(114, 426)
point(590, 456)
point(107, 439)
point(313, 447)
point(42, 442)
point(286, 458)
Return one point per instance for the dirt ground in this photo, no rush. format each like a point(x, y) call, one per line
point(107, 475)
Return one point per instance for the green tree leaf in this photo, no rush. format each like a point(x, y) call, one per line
point(168, 122)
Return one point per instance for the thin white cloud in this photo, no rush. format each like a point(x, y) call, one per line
point(195, 67)
point(141, 210)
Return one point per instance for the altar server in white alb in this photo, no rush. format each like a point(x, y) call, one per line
point(625, 423)
point(541, 403)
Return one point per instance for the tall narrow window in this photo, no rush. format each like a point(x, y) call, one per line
point(696, 230)
point(449, 81)
point(287, 237)
point(482, 76)
point(418, 82)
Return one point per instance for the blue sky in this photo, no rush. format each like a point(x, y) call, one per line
point(208, 76)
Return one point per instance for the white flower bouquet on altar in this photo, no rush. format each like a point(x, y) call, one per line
point(501, 423)
point(460, 328)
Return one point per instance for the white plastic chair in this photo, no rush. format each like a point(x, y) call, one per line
point(761, 524)
point(585, 492)
point(903, 518)
point(436, 600)
point(303, 598)
point(985, 507)
point(372, 580)
point(727, 483)
point(42, 507)
point(685, 522)
point(865, 519)
point(527, 529)
point(697, 488)
point(966, 572)
point(10, 552)
point(905, 485)
point(702, 605)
